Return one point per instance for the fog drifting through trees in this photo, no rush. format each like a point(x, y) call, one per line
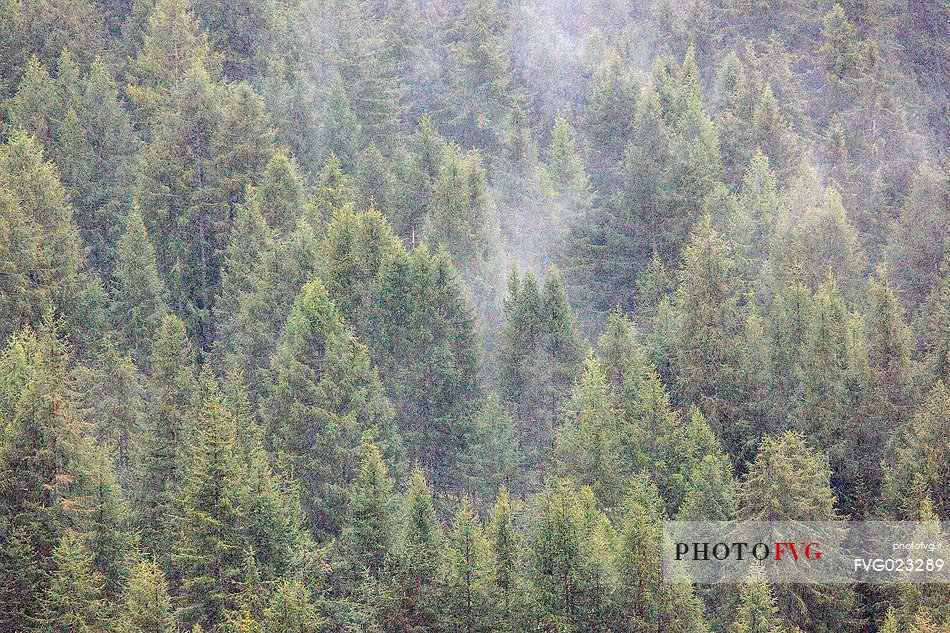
point(420, 316)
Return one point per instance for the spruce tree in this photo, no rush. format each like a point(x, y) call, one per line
point(567, 168)
point(917, 450)
point(368, 535)
point(418, 590)
point(588, 448)
point(505, 561)
point(756, 612)
point(709, 300)
point(209, 544)
point(37, 213)
point(105, 522)
point(169, 429)
point(115, 409)
point(282, 194)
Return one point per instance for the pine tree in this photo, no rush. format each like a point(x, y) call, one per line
point(147, 607)
point(411, 310)
point(492, 453)
point(820, 243)
point(588, 448)
point(567, 168)
point(172, 46)
point(274, 282)
point(87, 134)
point(105, 522)
point(115, 408)
point(620, 351)
point(505, 561)
point(463, 219)
point(480, 75)
point(917, 451)
point(644, 600)
point(291, 610)
point(324, 396)
point(73, 603)
point(788, 481)
point(140, 298)
point(241, 145)
point(282, 194)
point(418, 589)
point(708, 346)
point(916, 245)
point(565, 556)
point(250, 242)
point(368, 535)
point(540, 355)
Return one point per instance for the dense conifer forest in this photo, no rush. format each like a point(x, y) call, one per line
point(419, 316)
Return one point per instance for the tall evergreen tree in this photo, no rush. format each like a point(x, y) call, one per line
point(169, 429)
point(40, 247)
point(147, 609)
point(73, 601)
point(467, 590)
point(140, 298)
point(39, 468)
point(324, 396)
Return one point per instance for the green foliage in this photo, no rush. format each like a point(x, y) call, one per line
point(36, 213)
point(140, 299)
point(324, 396)
point(148, 608)
point(918, 448)
point(756, 612)
point(73, 602)
point(540, 355)
point(40, 468)
point(169, 429)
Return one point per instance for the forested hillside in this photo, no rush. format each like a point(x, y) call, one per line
point(418, 316)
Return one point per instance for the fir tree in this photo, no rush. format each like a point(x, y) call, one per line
point(588, 450)
point(169, 428)
point(37, 214)
point(368, 535)
point(505, 560)
point(418, 587)
point(114, 404)
point(209, 545)
point(756, 612)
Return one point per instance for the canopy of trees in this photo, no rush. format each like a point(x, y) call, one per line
point(421, 316)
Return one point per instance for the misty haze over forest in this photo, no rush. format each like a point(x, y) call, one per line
point(405, 316)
